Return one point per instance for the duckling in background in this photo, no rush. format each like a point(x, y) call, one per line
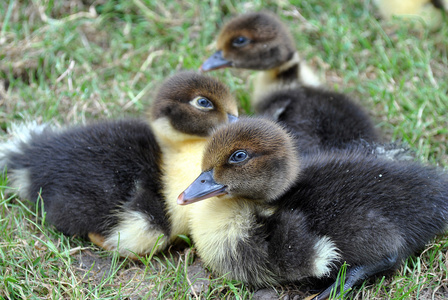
point(275, 217)
point(429, 10)
point(117, 182)
point(319, 118)
point(259, 41)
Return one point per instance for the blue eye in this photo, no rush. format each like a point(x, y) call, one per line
point(202, 103)
point(240, 41)
point(238, 156)
point(205, 103)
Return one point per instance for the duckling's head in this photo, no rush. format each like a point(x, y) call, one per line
point(252, 158)
point(256, 41)
point(189, 104)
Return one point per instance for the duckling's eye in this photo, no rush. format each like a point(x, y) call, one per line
point(202, 103)
point(240, 41)
point(238, 156)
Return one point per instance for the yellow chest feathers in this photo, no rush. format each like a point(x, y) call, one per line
point(217, 226)
point(181, 157)
point(180, 169)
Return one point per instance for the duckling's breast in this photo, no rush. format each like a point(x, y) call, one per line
point(182, 164)
point(218, 225)
point(229, 239)
point(230, 222)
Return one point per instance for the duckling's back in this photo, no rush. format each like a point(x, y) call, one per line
point(100, 164)
point(369, 207)
point(319, 119)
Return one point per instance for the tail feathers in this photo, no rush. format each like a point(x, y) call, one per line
point(19, 135)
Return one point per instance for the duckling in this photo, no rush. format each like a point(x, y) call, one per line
point(320, 118)
point(429, 10)
point(114, 181)
point(99, 181)
point(275, 216)
point(259, 41)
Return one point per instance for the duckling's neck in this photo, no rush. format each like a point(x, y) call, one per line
point(294, 72)
point(181, 164)
point(170, 138)
point(219, 225)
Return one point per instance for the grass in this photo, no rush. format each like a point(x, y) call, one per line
point(73, 61)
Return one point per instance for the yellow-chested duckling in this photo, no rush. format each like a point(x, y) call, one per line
point(429, 10)
point(259, 41)
point(320, 118)
point(275, 217)
point(117, 182)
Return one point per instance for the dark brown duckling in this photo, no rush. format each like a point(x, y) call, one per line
point(275, 217)
point(259, 41)
point(320, 118)
point(117, 182)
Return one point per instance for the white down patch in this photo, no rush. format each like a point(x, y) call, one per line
point(18, 135)
point(326, 255)
point(135, 234)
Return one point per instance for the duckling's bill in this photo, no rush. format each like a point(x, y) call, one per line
point(202, 188)
point(232, 118)
point(216, 61)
